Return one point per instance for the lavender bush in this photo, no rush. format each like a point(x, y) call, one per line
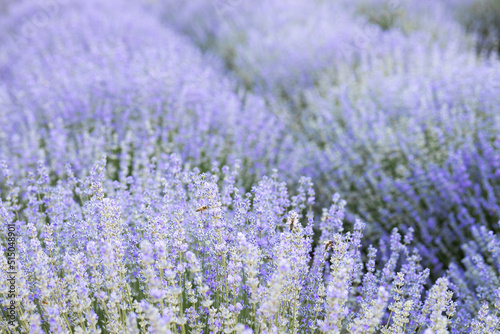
point(169, 250)
point(413, 141)
point(91, 81)
point(237, 167)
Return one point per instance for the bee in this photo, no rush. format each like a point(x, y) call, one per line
point(328, 244)
point(291, 222)
point(205, 207)
point(202, 208)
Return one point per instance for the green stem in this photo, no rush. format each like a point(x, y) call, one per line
point(294, 330)
point(226, 296)
point(388, 321)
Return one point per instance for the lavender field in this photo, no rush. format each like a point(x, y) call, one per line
point(236, 166)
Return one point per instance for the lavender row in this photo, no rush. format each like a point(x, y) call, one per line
point(171, 250)
point(81, 80)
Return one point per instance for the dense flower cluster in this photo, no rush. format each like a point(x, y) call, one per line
point(228, 166)
point(81, 80)
point(172, 250)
